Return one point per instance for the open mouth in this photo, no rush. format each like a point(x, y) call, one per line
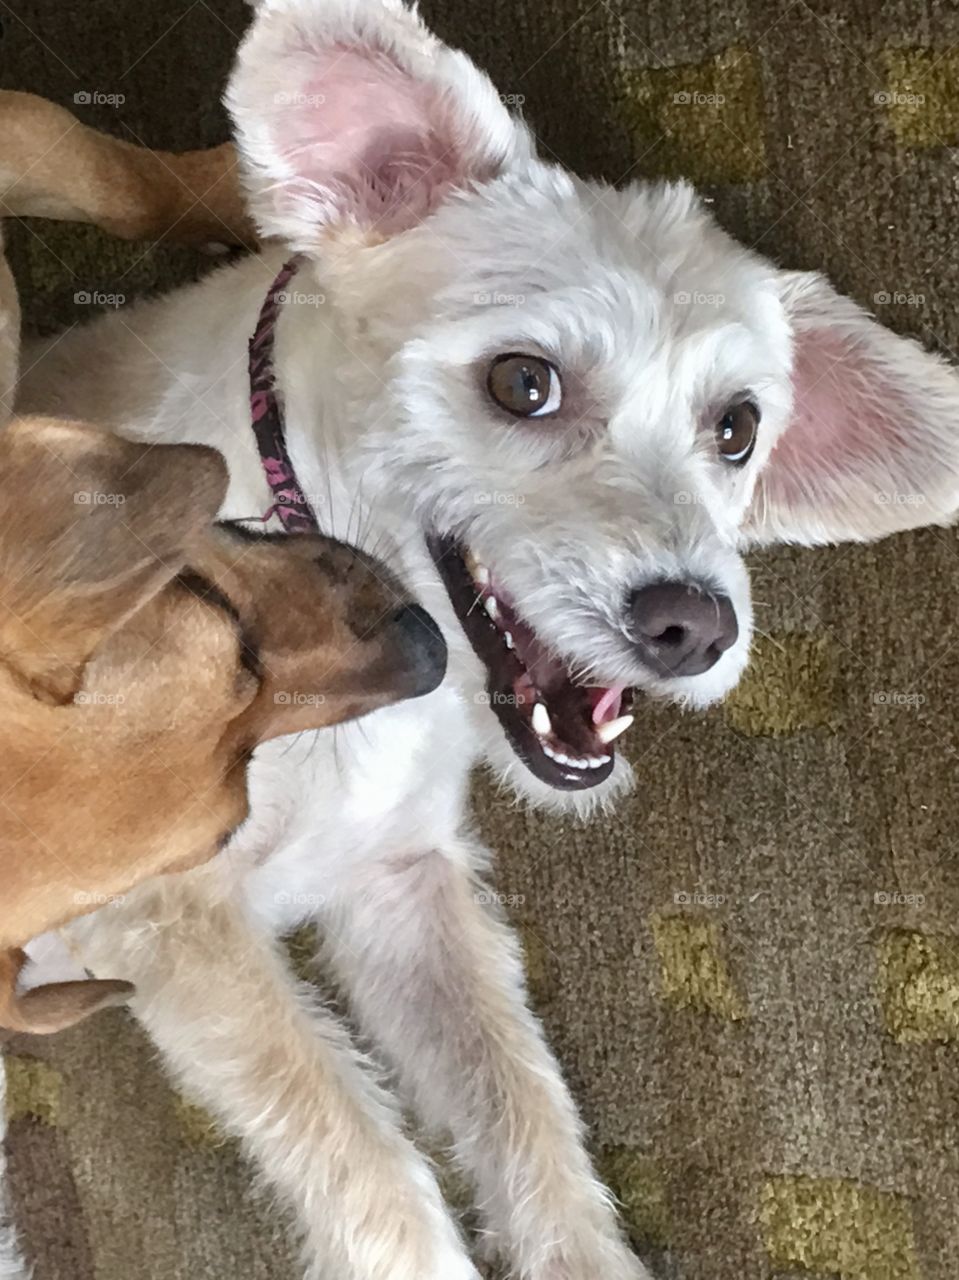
point(562, 730)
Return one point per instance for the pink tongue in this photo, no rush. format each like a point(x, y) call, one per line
point(607, 707)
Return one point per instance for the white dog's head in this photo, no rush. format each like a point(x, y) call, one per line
point(592, 399)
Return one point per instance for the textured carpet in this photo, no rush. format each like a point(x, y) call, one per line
point(751, 974)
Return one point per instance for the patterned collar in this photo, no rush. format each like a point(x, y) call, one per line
point(290, 503)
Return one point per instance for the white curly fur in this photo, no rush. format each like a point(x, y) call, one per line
point(422, 265)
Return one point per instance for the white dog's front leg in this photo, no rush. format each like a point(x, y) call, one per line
point(279, 1072)
point(436, 979)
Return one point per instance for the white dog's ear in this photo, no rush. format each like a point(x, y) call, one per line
point(350, 112)
point(872, 446)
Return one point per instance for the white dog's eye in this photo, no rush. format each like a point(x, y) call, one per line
point(736, 432)
point(525, 386)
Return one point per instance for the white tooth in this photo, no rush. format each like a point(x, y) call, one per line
point(541, 720)
point(597, 762)
point(560, 758)
point(548, 750)
point(491, 607)
point(509, 639)
point(578, 764)
point(611, 730)
point(476, 568)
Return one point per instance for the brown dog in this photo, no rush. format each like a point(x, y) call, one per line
point(145, 650)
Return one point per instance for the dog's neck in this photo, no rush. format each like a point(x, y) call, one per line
point(315, 370)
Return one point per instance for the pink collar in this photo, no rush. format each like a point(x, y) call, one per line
point(290, 503)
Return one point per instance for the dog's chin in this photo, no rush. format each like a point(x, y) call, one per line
point(512, 774)
point(697, 693)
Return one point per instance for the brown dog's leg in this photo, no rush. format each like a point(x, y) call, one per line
point(56, 1006)
point(52, 166)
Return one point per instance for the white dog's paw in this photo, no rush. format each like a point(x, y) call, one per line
point(609, 1261)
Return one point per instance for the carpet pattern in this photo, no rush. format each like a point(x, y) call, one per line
point(751, 973)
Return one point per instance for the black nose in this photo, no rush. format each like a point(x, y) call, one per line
point(680, 628)
point(422, 649)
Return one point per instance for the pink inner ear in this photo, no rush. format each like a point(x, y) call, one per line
point(845, 416)
point(364, 132)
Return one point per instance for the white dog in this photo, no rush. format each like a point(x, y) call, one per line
point(566, 409)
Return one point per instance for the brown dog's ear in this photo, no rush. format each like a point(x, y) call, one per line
point(91, 526)
point(44, 1010)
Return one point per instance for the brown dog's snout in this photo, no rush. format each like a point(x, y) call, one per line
point(682, 630)
point(421, 648)
point(328, 629)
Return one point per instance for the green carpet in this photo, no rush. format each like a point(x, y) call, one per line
point(751, 973)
